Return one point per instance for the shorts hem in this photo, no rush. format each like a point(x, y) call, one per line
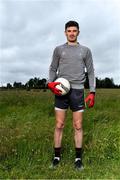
point(60, 109)
point(79, 110)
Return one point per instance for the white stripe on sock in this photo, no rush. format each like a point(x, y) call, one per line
point(58, 158)
point(76, 159)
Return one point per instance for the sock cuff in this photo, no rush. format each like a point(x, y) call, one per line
point(57, 147)
point(78, 152)
point(78, 149)
point(57, 151)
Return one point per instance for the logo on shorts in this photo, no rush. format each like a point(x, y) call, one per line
point(80, 106)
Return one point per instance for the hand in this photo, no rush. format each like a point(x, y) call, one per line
point(91, 99)
point(51, 86)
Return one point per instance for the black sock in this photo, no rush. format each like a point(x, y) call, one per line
point(78, 153)
point(57, 151)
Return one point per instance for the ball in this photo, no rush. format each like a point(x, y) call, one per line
point(64, 85)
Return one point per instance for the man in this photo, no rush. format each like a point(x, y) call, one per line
point(69, 61)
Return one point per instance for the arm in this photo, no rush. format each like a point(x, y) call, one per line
point(53, 73)
point(54, 66)
point(91, 76)
point(90, 71)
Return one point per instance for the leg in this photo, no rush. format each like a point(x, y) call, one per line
point(77, 106)
point(61, 105)
point(77, 124)
point(60, 120)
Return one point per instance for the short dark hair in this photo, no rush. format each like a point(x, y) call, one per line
point(71, 23)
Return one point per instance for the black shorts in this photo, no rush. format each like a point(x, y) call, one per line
point(74, 99)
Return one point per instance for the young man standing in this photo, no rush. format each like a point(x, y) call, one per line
point(69, 61)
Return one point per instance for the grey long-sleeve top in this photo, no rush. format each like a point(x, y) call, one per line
point(70, 61)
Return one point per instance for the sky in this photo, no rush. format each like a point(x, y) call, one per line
point(31, 29)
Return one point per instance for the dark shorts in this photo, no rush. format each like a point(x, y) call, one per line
point(74, 99)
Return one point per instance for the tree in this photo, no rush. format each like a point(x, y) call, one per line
point(36, 83)
point(9, 86)
point(109, 82)
point(30, 83)
point(44, 83)
point(17, 85)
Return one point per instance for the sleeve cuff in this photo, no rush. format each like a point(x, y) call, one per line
point(92, 93)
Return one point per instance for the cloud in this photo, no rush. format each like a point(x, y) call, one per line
point(30, 30)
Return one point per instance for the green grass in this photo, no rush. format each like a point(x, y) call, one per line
point(26, 137)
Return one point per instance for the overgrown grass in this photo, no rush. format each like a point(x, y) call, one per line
point(26, 137)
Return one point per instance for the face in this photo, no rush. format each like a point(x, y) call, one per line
point(72, 33)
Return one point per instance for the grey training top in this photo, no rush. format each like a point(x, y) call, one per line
point(70, 61)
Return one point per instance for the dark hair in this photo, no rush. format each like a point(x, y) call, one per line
point(71, 23)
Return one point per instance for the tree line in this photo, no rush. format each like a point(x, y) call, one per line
point(102, 83)
point(37, 83)
point(33, 83)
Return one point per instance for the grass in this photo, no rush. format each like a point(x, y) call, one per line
point(26, 137)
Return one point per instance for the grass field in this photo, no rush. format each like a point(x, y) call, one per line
point(26, 137)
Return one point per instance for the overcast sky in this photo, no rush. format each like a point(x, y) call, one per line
point(31, 29)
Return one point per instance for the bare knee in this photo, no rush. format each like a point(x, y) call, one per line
point(77, 126)
point(59, 125)
point(60, 119)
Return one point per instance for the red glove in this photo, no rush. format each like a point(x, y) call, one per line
point(91, 99)
point(51, 86)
